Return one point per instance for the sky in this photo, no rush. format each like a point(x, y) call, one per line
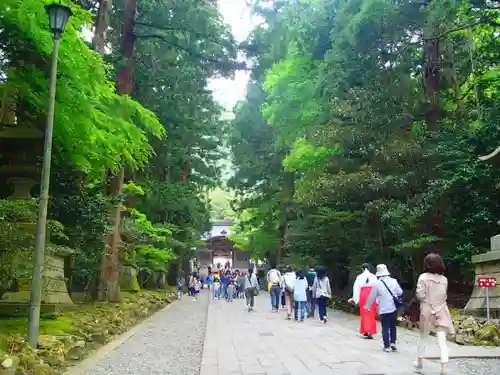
point(227, 92)
point(237, 15)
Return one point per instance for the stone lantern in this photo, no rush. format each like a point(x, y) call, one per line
point(487, 265)
point(20, 146)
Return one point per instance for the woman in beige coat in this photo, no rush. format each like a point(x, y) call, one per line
point(432, 287)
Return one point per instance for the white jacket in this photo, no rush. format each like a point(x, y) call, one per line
point(274, 276)
point(289, 280)
point(366, 277)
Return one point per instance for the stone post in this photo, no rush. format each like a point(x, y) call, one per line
point(487, 265)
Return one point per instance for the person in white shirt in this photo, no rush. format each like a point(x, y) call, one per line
point(288, 288)
point(360, 292)
point(273, 283)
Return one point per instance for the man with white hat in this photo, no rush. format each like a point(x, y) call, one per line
point(389, 295)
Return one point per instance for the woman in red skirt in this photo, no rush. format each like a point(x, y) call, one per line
point(360, 292)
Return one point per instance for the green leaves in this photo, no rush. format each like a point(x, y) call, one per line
point(94, 127)
point(349, 89)
point(306, 157)
point(292, 106)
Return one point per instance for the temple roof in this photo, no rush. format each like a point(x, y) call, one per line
point(219, 228)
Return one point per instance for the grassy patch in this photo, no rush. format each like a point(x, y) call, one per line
point(62, 325)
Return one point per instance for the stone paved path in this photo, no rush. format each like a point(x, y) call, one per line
point(260, 342)
point(186, 340)
point(409, 338)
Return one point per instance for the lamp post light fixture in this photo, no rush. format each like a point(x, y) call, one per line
point(58, 17)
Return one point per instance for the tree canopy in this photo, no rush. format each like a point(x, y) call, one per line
point(132, 103)
point(361, 130)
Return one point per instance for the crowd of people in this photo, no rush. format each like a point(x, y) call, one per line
point(226, 284)
point(299, 292)
point(378, 293)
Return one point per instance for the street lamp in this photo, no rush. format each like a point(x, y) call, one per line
point(58, 17)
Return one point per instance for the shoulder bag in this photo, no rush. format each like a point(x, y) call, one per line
point(398, 301)
point(252, 290)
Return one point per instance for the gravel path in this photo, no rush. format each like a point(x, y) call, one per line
point(474, 366)
point(171, 342)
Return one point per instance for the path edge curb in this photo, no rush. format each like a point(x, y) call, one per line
point(95, 356)
point(463, 356)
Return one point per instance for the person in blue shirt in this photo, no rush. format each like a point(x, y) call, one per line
point(209, 281)
point(224, 281)
point(300, 295)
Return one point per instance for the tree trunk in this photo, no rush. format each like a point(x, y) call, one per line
point(431, 79)
point(107, 288)
point(110, 267)
point(124, 85)
point(431, 82)
point(287, 195)
point(101, 25)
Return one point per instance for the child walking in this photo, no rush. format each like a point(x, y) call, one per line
point(180, 286)
point(196, 290)
point(231, 290)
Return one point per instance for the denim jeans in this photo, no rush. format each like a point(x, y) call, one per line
point(302, 306)
point(216, 292)
point(321, 307)
point(275, 294)
point(311, 304)
point(389, 328)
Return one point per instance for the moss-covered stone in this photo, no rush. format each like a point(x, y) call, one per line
point(71, 335)
point(128, 279)
point(54, 357)
point(488, 332)
point(76, 351)
point(9, 365)
point(41, 369)
point(49, 342)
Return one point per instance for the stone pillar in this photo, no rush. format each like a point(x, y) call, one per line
point(55, 295)
point(128, 279)
point(487, 265)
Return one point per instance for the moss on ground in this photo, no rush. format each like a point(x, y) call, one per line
point(61, 325)
point(71, 335)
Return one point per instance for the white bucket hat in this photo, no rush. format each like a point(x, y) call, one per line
point(382, 270)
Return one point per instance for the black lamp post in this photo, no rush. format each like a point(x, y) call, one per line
point(58, 17)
